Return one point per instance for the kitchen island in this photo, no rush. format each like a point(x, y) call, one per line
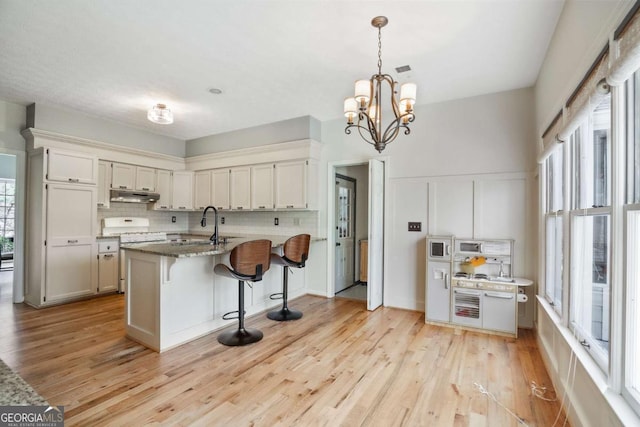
point(172, 295)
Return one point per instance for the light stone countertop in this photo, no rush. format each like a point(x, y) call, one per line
point(199, 245)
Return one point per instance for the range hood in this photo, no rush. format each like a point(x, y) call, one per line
point(134, 196)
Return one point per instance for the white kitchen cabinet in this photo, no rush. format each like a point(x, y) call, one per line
point(295, 185)
point(163, 187)
point(262, 187)
point(241, 188)
point(123, 176)
point(108, 276)
point(61, 227)
point(220, 188)
point(182, 191)
point(202, 189)
point(145, 179)
point(104, 184)
point(71, 167)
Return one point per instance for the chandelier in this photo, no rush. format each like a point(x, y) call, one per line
point(366, 105)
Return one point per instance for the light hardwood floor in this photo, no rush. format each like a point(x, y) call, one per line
point(339, 365)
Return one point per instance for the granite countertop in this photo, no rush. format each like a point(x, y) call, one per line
point(199, 245)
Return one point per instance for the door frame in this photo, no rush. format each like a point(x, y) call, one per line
point(19, 243)
point(331, 221)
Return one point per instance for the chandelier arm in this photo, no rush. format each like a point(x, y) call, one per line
point(347, 130)
point(394, 102)
point(371, 128)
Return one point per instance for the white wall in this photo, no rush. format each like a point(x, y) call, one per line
point(12, 121)
point(483, 138)
point(583, 30)
point(7, 166)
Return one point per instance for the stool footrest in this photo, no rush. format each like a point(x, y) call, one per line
point(231, 315)
point(276, 296)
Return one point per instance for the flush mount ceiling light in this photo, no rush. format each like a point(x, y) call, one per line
point(366, 105)
point(160, 114)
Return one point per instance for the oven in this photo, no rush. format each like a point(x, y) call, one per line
point(479, 303)
point(466, 304)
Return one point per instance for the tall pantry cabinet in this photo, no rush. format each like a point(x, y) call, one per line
point(61, 226)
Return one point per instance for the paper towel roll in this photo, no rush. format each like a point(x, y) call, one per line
point(523, 298)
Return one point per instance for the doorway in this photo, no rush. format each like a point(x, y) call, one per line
point(364, 230)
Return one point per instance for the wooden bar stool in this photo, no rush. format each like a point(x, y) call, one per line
point(249, 262)
point(295, 254)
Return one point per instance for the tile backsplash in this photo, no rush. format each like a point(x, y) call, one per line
point(158, 220)
point(249, 222)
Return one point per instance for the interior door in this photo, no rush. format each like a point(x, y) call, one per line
point(376, 234)
point(345, 232)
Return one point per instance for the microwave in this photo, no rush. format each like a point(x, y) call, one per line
point(439, 248)
point(495, 247)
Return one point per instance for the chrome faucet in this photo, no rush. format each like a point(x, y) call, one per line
point(203, 222)
point(501, 273)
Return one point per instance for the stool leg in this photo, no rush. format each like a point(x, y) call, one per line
point(240, 336)
point(285, 313)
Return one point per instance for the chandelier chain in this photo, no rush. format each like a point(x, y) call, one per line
point(379, 50)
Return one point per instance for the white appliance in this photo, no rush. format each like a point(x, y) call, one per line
point(130, 230)
point(438, 292)
point(481, 304)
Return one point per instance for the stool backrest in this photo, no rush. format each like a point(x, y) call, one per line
point(246, 257)
point(296, 248)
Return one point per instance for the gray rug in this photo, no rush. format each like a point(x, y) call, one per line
point(15, 391)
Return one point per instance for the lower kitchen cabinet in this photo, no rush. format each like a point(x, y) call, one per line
point(108, 271)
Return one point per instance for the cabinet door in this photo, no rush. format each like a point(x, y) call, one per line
point(108, 272)
point(163, 187)
point(145, 179)
point(262, 187)
point(104, 184)
point(182, 190)
point(291, 185)
point(220, 189)
point(438, 292)
point(202, 189)
point(123, 176)
point(70, 265)
point(241, 188)
point(71, 167)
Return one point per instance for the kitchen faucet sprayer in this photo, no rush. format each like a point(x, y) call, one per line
point(203, 223)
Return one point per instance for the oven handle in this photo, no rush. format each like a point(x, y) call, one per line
point(467, 292)
point(502, 295)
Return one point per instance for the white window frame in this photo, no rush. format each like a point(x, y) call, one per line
point(631, 391)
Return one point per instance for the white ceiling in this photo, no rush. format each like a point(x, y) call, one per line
point(274, 60)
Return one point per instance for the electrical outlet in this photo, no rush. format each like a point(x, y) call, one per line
point(275, 221)
point(415, 226)
point(222, 220)
point(173, 219)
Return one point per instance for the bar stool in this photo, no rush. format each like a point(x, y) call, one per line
point(295, 254)
point(249, 261)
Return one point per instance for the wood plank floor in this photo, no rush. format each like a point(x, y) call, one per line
point(340, 365)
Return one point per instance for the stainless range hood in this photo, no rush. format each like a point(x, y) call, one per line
point(132, 196)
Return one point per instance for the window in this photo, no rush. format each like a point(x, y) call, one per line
point(7, 213)
point(590, 284)
point(553, 249)
point(632, 362)
point(633, 139)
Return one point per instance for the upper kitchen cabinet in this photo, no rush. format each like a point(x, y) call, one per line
point(220, 188)
point(202, 189)
point(182, 191)
point(123, 176)
point(131, 177)
point(163, 187)
point(67, 166)
point(262, 187)
point(241, 188)
point(295, 185)
point(104, 184)
point(145, 179)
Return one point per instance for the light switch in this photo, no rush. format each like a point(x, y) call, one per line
point(415, 226)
